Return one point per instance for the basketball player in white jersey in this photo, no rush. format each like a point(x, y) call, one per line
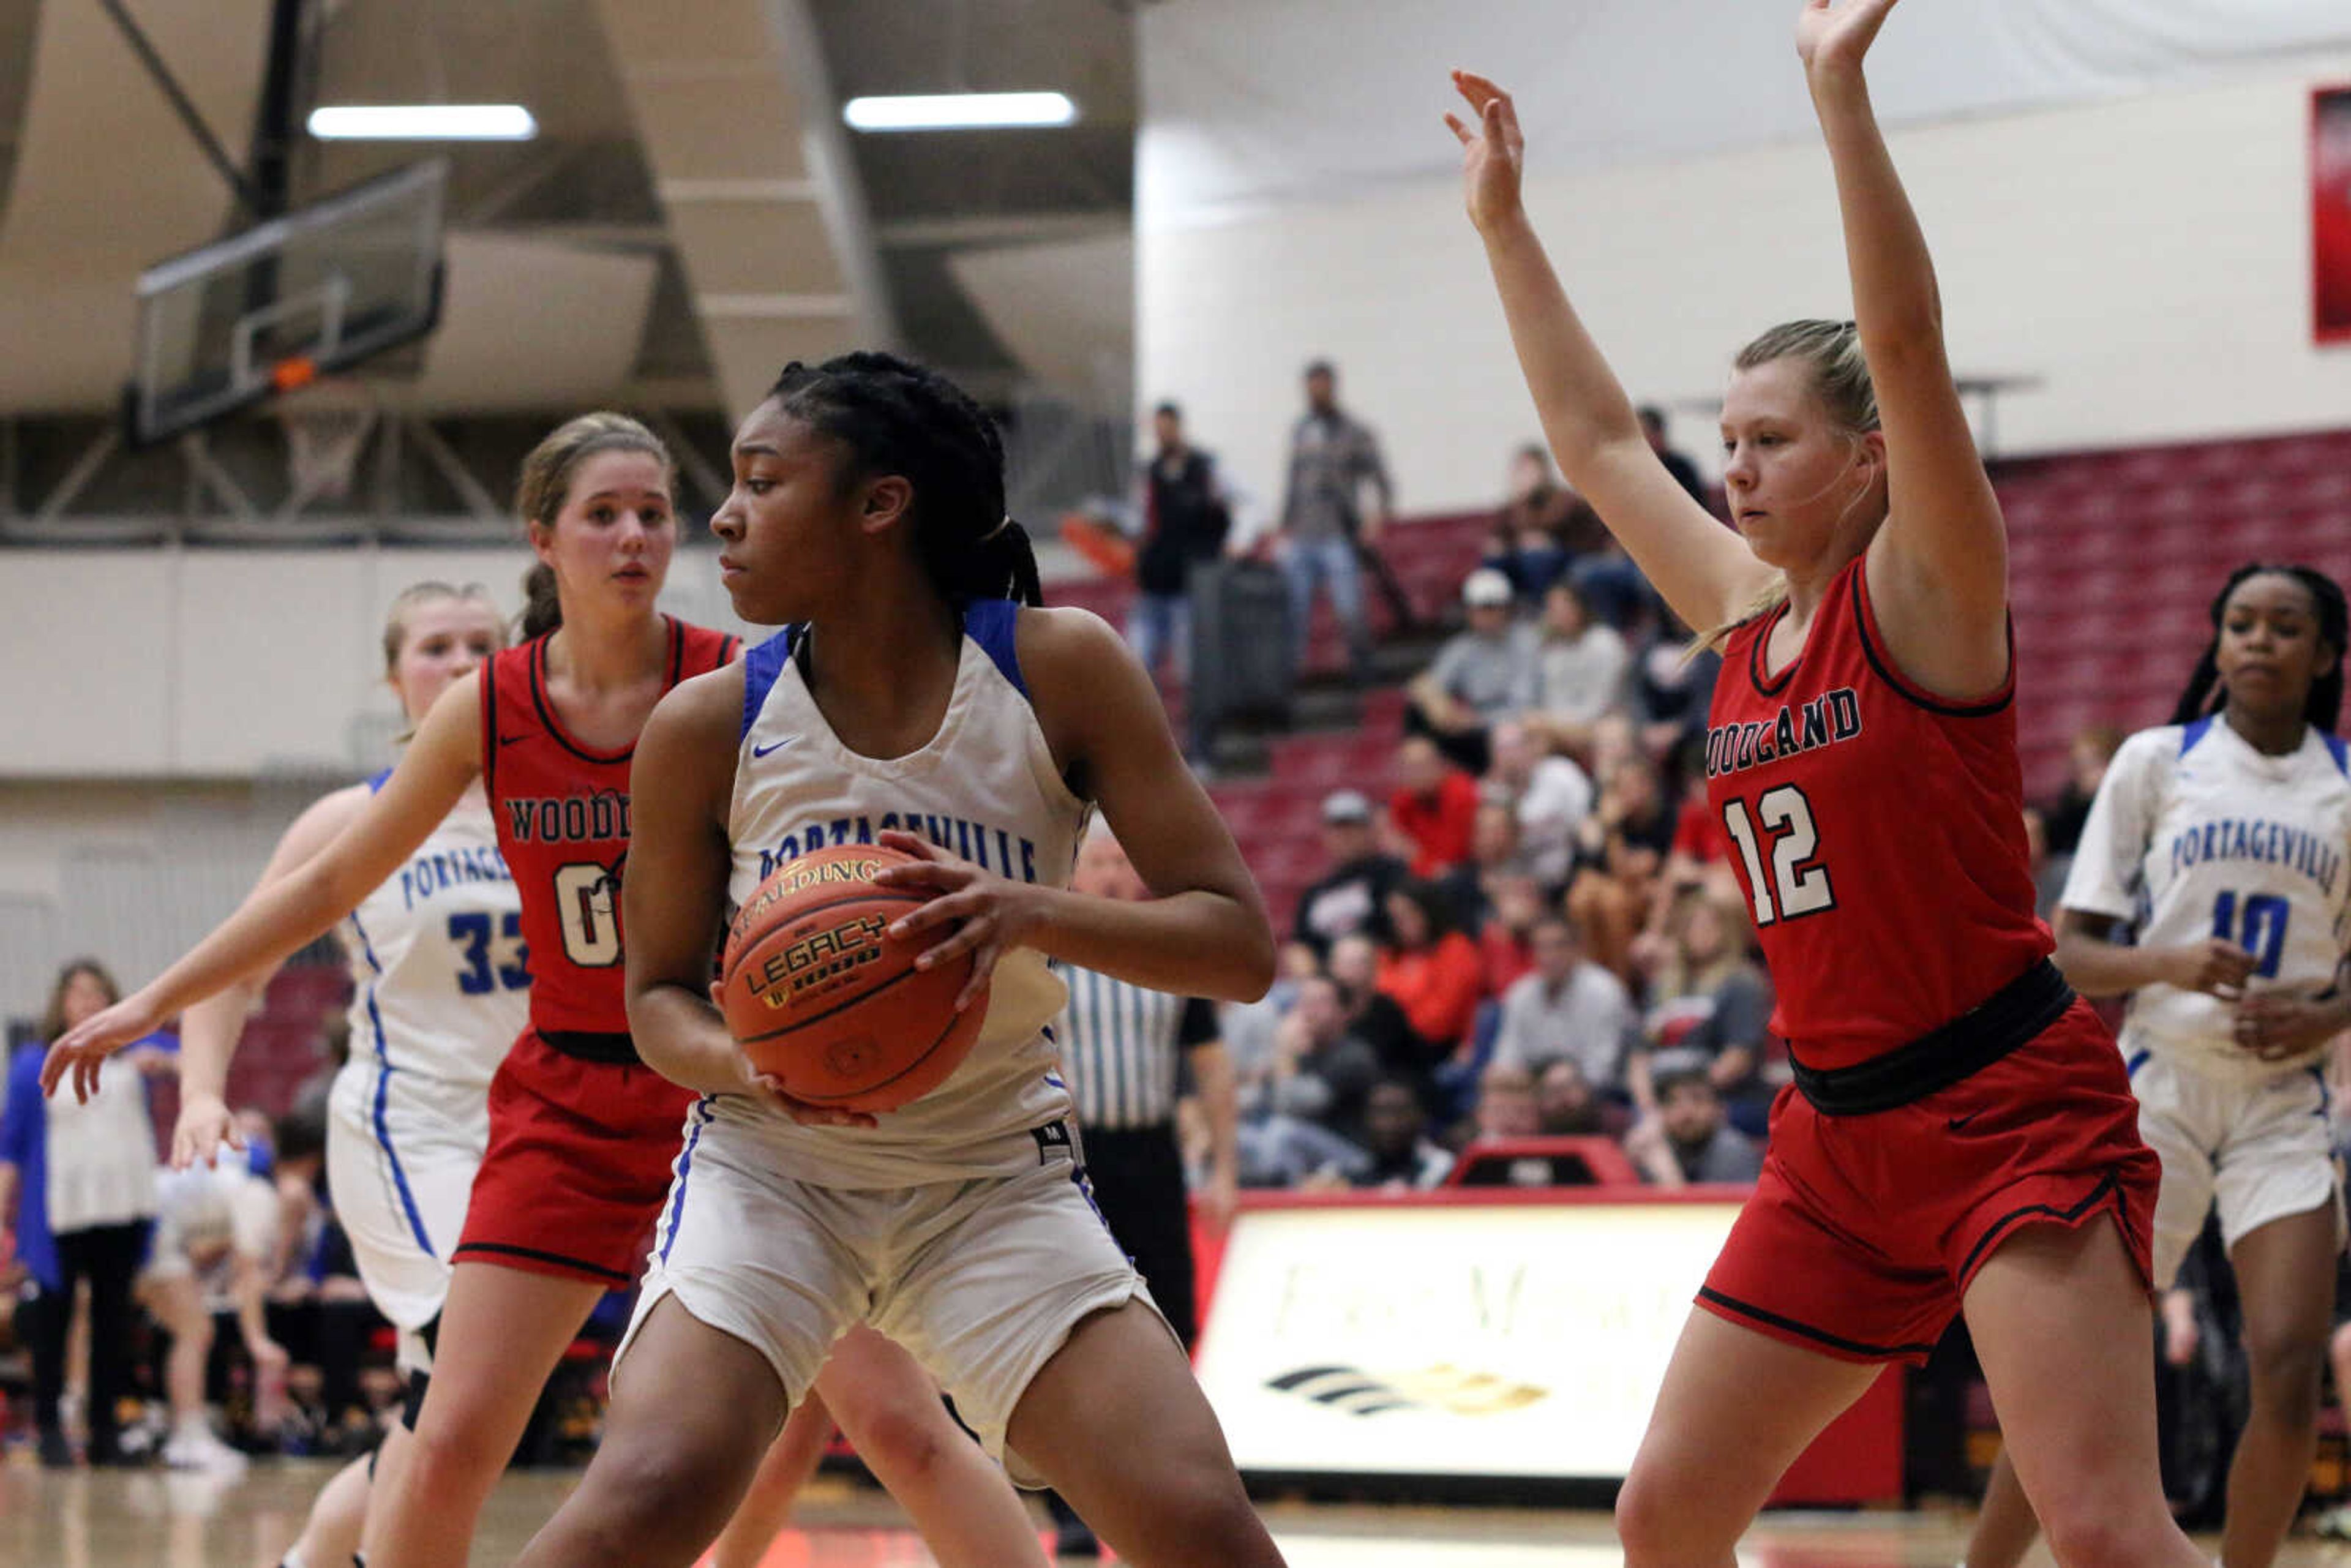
point(2224, 837)
point(917, 705)
point(439, 990)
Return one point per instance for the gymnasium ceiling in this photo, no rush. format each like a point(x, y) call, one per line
point(691, 194)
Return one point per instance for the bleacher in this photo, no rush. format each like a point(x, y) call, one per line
point(2114, 557)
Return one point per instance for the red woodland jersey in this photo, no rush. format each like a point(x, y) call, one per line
point(1879, 833)
point(562, 811)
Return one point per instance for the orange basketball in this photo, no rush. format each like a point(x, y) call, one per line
point(827, 1002)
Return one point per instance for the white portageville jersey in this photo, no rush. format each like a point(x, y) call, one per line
point(985, 788)
point(2194, 834)
point(441, 978)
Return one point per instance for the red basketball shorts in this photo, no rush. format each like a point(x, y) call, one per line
point(1865, 1231)
point(577, 1166)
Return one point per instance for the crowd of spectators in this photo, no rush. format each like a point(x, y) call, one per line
point(1533, 931)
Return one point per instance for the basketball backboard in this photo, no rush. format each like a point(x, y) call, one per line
point(273, 308)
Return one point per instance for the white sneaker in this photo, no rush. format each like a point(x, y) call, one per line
point(200, 1451)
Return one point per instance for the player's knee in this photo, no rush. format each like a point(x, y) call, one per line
point(2092, 1527)
point(655, 1474)
point(2285, 1369)
point(903, 1435)
point(1653, 1518)
point(451, 1446)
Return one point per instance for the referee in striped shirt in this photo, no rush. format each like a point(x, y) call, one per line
point(1121, 1048)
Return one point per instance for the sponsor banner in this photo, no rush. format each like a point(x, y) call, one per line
point(1506, 1340)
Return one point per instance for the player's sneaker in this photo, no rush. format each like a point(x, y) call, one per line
point(198, 1449)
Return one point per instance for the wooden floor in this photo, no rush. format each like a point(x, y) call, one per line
point(152, 1520)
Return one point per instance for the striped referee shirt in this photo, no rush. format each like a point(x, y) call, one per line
point(1123, 1046)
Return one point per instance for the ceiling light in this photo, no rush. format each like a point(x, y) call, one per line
point(959, 112)
point(423, 122)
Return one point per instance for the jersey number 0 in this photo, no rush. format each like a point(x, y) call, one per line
point(591, 926)
point(1801, 882)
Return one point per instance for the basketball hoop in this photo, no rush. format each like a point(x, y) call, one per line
point(326, 426)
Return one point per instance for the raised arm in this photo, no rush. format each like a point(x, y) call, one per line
point(441, 761)
point(210, 1030)
point(1938, 569)
point(1703, 569)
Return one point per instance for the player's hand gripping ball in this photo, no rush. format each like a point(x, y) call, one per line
point(827, 1002)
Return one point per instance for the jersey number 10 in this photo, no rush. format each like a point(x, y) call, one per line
point(2261, 932)
point(1800, 879)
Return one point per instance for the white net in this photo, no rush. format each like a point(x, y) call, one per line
point(327, 429)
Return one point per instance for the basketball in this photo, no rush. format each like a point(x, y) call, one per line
point(831, 1005)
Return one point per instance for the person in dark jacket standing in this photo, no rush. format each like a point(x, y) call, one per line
point(1186, 513)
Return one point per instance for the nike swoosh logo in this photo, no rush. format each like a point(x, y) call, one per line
point(1957, 1123)
point(758, 751)
point(505, 740)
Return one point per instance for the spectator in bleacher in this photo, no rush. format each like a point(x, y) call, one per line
point(1549, 795)
point(1248, 1027)
point(1307, 1116)
point(1494, 864)
point(1432, 812)
point(1667, 690)
point(1324, 525)
point(1376, 1018)
point(2086, 768)
point(1620, 849)
point(1185, 513)
point(1577, 675)
point(1565, 1106)
point(1685, 472)
point(1506, 1103)
point(1506, 936)
point(1541, 529)
point(1431, 968)
point(77, 1187)
point(1494, 854)
point(1568, 1007)
point(1479, 677)
point(1690, 1139)
point(1402, 1157)
point(1710, 1010)
point(1352, 895)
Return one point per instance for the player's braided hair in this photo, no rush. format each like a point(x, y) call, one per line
point(2325, 706)
point(899, 417)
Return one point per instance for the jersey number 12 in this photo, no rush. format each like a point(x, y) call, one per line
point(1799, 880)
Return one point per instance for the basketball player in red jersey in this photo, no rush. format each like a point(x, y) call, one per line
point(582, 1133)
point(1960, 1135)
